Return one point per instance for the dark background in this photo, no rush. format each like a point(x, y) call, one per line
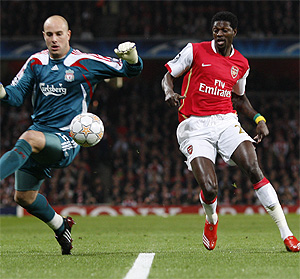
point(138, 161)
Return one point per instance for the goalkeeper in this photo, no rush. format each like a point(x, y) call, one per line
point(61, 81)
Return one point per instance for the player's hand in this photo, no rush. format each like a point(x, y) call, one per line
point(261, 130)
point(2, 91)
point(128, 52)
point(173, 99)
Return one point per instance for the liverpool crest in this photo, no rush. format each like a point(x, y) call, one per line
point(69, 76)
point(234, 71)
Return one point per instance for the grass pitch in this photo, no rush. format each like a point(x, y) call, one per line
point(106, 247)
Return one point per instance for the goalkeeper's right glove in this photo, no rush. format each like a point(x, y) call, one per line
point(2, 91)
point(128, 52)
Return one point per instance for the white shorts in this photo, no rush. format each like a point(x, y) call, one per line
point(205, 136)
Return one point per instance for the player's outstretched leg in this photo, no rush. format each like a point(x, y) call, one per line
point(15, 158)
point(64, 238)
point(268, 197)
point(211, 222)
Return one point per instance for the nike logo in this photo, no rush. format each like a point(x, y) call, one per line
point(205, 65)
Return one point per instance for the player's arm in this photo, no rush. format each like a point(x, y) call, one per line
point(15, 93)
point(243, 105)
point(101, 67)
point(167, 85)
point(176, 68)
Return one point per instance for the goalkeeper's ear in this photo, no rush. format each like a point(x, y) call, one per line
point(2, 91)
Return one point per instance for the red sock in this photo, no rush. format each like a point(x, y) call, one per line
point(206, 201)
point(261, 183)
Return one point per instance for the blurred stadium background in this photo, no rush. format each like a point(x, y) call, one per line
point(138, 161)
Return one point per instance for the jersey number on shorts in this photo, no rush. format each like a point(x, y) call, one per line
point(241, 129)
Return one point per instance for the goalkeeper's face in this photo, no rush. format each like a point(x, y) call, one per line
point(57, 36)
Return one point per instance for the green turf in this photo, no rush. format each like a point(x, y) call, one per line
point(106, 247)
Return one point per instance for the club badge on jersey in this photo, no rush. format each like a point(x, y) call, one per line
point(69, 76)
point(234, 71)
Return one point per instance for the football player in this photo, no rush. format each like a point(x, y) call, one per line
point(214, 78)
point(61, 81)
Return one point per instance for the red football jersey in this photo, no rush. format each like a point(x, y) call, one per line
point(210, 79)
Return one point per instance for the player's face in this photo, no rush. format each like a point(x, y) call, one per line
point(57, 37)
point(223, 35)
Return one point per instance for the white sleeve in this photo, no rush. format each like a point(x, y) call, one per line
point(240, 86)
point(182, 62)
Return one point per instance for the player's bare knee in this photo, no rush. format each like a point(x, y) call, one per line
point(254, 172)
point(23, 198)
point(36, 139)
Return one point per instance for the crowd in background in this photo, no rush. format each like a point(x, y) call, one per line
point(138, 161)
point(150, 19)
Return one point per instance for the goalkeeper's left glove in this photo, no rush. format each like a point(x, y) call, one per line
point(2, 91)
point(128, 52)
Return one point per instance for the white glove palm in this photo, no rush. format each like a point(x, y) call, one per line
point(128, 52)
point(2, 91)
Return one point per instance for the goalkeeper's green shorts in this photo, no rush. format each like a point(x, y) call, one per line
point(59, 152)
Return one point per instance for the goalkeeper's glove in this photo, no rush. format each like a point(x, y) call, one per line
point(128, 52)
point(2, 91)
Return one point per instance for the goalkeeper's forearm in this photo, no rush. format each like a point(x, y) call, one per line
point(2, 91)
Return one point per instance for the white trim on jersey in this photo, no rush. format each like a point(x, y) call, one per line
point(240, 87)
point(76, 55)
point(84, 104)
point(42, 56)
point(182, 62)
point(66, 128)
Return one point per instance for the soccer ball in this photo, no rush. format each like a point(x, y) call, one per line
point(86, 129)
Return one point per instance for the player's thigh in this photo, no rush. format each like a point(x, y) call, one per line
point(60, 150)
point(230, 139)
point(246, 158)
point(196, 148)
point(69, 149)
point(52, 151)
point(194, 140)
point(245, 154)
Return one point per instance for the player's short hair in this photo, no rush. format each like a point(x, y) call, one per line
point(225, 16)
